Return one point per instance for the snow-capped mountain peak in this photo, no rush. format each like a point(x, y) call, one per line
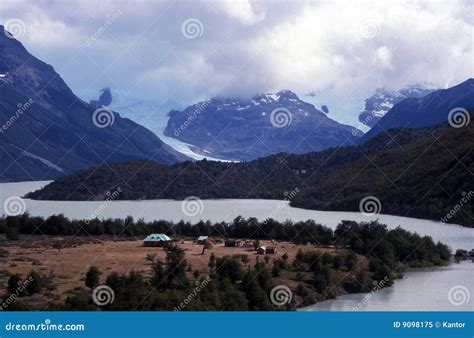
point(383, 100)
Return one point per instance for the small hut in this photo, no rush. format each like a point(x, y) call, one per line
point(232, 243)
point(156, 240)
point(203, 240)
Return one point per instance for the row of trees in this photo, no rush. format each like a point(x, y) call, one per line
point(299, 232)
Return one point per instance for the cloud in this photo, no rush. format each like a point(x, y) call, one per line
point(339, 50)
point(242, 10)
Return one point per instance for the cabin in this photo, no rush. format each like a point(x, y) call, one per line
point(262, 250)
point(203, 240)
point(156, 240)
point(271, 250)
point(233, 243)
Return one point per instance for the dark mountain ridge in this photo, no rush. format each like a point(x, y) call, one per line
point(392, 167)
point(46, 131)
point(425, 111)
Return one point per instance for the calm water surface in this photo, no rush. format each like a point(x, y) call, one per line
point(422, 290)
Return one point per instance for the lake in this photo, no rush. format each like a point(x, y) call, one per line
point(226, 210)
point(421, 290)
point(426, 289)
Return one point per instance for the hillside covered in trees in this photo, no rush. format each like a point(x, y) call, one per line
point(422, 173)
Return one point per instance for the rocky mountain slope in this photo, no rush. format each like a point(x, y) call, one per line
point(246, 129)
point(428, 110)
point(383, 100)
point(46, 131)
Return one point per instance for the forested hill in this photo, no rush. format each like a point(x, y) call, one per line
point(413, 172)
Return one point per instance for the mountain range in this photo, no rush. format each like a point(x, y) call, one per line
point(246, 129)
point(428, 110)
point(377, 105)
point(47, 131)
point(392, 167)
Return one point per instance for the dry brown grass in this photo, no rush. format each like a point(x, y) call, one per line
point(68, 267)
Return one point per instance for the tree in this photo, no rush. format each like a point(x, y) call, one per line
point(176, 268)
point(92, 277)
point(59, 244)
point(13, 283)
point(159, 278)
point(276, 270)
point(13, 234)
point(212, 261)
point(257, 298)
point(13, 228)
point(337, 262)
point(35, 282)
point(229, 267)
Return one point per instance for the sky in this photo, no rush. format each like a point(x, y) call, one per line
point(328, 52)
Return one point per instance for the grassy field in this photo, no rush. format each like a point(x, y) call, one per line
point(67, 268)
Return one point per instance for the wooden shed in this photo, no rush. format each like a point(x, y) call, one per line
point(271, 250)
point(233, 243)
